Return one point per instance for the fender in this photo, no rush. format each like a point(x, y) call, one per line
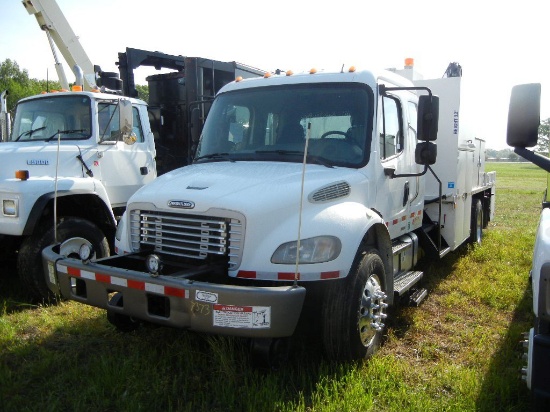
point(41, 203)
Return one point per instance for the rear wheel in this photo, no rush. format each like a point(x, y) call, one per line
point(354, 311)
point(71, 232)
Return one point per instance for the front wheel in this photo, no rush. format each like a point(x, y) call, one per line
point(354, 311)
point(71, 232)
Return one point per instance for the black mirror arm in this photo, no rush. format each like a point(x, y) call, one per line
point(391, 173)
point(538, 160)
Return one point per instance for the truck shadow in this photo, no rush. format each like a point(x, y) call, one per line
point(152, 368)
point(502, 388)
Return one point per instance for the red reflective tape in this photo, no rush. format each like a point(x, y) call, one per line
point(335, 274)
point(395, 221)
point(102, 278)
point(135, 284)
point(247, 274)
point(170, 291)
point(73, 271)
point(287, 276)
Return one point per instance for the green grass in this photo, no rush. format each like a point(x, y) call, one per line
point(457, 352)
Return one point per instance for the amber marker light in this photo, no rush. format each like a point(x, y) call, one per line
point(352, 69)
point(238, 79)
point(22, 174)
point(267, 75)
point(289, 72)
point(313, 71)
point(409, 62)
point(76, 88)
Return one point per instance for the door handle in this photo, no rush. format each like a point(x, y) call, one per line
point(406, 193)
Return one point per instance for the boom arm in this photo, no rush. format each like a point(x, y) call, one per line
point(53, 22)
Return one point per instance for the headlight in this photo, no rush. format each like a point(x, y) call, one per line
point(9, 207)
point(314, 250)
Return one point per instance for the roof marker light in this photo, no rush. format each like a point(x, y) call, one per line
point(267, 75)
point(352, 69)
point(409, 62)
point(238, 79)
point(76, 88)
point(289, 72)
point(313, 71)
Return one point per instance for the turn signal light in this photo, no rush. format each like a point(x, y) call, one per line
point(22, 174)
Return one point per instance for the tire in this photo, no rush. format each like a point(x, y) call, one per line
point(354, 311)
point(476, 227)
point(71, 232)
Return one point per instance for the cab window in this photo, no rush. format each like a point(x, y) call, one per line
point(390, 131)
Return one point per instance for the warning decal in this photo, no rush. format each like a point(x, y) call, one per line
point(243, 317)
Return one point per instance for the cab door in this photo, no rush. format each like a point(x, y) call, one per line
point(123, 168)
point(396, 154)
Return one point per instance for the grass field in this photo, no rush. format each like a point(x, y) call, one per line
point(458, 351)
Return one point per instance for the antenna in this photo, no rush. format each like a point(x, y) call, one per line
point(55, 189)
point(296, 271)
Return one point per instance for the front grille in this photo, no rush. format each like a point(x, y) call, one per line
point(189, 236)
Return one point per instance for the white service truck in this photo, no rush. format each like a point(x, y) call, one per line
point(67, 171)
point(66, 161)
point(316, 190)
point(523, 127)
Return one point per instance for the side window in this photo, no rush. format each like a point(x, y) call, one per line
point(138, 131)
point(108, 117)
point(391, 135)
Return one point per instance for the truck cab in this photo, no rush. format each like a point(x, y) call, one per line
point(66, 153)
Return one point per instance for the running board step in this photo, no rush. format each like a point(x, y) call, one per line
point(406, 280)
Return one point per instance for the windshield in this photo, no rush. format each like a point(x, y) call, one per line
point(271, 123)
point(44, 118)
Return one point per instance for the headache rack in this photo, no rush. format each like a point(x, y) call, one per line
point(188, 236)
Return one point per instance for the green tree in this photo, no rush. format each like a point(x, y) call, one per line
point(143, 92)
point(19, 84)
point(544, 136)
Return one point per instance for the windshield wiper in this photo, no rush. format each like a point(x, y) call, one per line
point(310, 158)
point(29, 132)
point(70, 131)
point(217, 156)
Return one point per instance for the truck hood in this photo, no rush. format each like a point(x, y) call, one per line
point(40, 159)
point(239, 186)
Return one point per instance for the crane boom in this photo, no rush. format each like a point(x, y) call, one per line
point(50, 18)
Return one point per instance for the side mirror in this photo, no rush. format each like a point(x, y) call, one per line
point(126, 119)
point(428, 118)
point(524, 115)
point(196, 126)
point(425, 153)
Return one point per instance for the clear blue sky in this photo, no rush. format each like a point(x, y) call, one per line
point(498, 44)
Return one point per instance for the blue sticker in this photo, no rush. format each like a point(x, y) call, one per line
point(451, 185)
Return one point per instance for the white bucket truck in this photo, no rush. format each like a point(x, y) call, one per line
point(316, 190)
